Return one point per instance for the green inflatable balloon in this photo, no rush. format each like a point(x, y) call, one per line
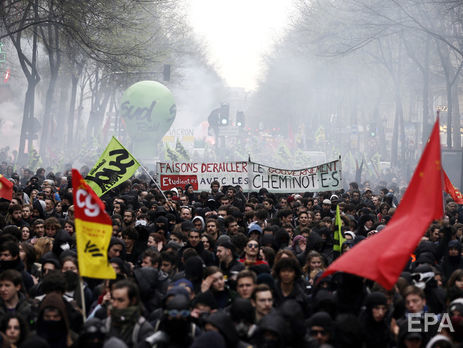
point(148, 110)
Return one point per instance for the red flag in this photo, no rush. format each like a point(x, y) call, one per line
point(93, 231)
point(6, 188)
point(382, 257)
point(451, 190)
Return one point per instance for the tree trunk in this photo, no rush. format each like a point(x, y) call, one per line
point(97, 114)
point(425, 117)
point(54, 59)
point(72, 106)
point(33, 79)
point(456, 116)
point(47, 116)
point(25, 127)
point(79, 124)
point(395, 139)
point(61, 119)
point(449, 114)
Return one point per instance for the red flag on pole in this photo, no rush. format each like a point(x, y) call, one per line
point(451, 190)
point(382, 257)
point(93, 231)
point(6, 188)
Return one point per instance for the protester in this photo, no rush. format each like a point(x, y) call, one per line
point(220, 268)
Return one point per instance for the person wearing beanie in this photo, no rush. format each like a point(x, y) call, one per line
point(452, 259)
point(194, 269)
point(243, 315)
point(455, 311)
point(320, 328)
point(228, 264)
point(203, 305)
point(221, 322)
point(326, 209)
point(375, 320)
point(349, 235)
point(175, 328)
point(209, 339)
point(271, 331)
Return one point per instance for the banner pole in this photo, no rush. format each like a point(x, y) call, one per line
point(154, 181)
point(249, 175)
point(82, 297)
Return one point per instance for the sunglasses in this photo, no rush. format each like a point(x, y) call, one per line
point(253, 246)
point(184, 313)
point(317, 332)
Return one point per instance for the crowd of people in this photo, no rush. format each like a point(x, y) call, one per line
point(222, 268)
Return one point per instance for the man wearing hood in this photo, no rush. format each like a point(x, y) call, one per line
point(116, 248)
point(320, 328)
point(152, 285)
point(452, 259)
point(125, 320)
point(53, 324)
point(175, 328)
point(375, 320)
point(243, 316)
point(221, 322)
point(199, 224)
point(271, 331)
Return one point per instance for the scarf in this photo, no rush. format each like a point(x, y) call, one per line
point(124, 320)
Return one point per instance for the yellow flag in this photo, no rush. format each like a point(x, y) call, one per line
point(338, 237)
point(93, 231)
point(115, 166)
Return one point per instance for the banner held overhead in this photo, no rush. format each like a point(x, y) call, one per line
point(251, 176)
point(324, 177)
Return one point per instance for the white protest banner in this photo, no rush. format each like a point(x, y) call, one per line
point(250, 176)
point(324, 177)
point(201, 175)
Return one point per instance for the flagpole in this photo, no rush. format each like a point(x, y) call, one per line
point(154, 181)
point(82, 297)
point(442, 160)
point(249, 175)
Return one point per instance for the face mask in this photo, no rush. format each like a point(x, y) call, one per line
point(52, 330)
point(242, 328)
point(125, 315)
point(420, 279)
point(177, 328)
point(269, 343)
point(9, 264)
point(71, 280)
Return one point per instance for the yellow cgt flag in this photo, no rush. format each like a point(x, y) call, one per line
point(93, 231)
point(115, 166)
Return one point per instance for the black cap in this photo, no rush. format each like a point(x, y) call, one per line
point(226, 244)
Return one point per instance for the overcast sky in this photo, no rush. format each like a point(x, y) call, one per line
point(238, 33)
